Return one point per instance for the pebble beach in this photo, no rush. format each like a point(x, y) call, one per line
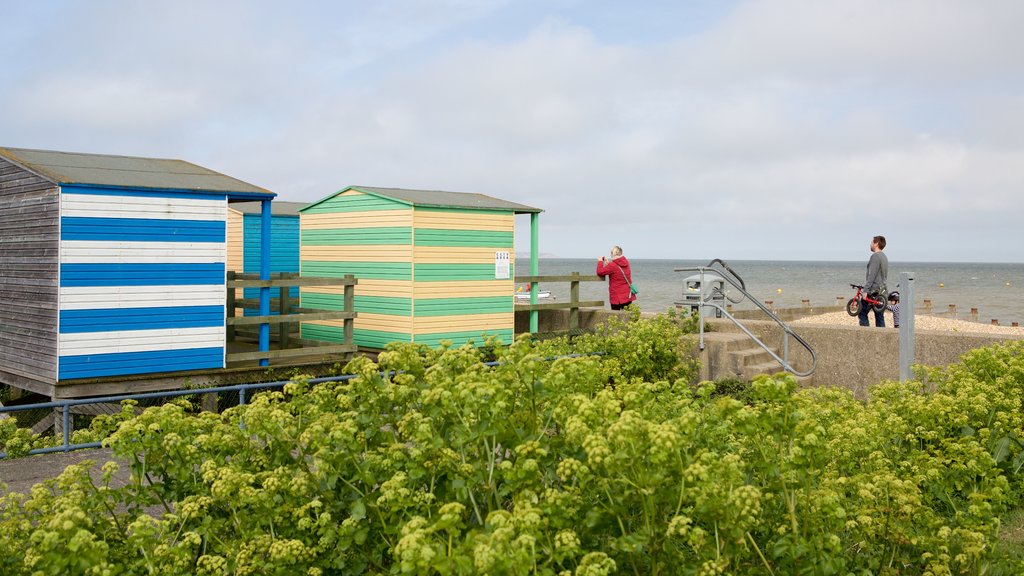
point(921, 322)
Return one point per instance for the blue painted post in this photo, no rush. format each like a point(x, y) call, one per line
point(265, 223)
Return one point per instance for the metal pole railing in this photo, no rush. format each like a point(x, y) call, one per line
point(67, 424)
point(906, 325)
point(66, 405)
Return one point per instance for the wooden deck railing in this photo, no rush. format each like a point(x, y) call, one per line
point(288, 316)
point(573, 305)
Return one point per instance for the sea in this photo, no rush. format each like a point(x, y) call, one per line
point(995, 290)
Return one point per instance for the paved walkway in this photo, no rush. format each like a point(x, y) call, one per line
point(20, 474)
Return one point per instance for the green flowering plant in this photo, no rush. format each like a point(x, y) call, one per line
point(431, 462)
point(17, 441)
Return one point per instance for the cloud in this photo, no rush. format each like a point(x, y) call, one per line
point(776, 119)
point(930, 42)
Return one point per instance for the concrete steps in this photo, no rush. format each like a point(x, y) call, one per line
point(751, 362)
point(736, 355)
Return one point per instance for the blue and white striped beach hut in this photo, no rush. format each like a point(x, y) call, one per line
point(111, 265)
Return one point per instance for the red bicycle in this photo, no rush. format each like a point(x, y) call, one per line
point(853, 306)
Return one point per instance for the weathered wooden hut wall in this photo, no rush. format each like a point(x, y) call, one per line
point(371, 238)
point(29, 245)
point(141, 281)
point(456, 294)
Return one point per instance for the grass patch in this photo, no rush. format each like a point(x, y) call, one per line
point(1011, 540)
point(1013, 532)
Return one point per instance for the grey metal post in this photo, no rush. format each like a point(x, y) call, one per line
point(67, 425)
point(906, 324)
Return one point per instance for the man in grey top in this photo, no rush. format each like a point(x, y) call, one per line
point(874, 282)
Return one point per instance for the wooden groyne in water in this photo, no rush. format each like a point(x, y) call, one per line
point(926, 308)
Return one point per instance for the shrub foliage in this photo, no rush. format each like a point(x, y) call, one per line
point(430, 462)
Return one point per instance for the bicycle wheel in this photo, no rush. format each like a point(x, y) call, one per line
point(853, 307)
point(878, 307)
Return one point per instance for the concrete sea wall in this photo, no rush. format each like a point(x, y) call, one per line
point(850, 357)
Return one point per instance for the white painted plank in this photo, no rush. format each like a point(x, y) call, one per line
point(148, 207)
point(121, 252)
point(107, 297)
point(140, 341)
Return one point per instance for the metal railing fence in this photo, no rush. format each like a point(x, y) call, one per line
point(65, 406)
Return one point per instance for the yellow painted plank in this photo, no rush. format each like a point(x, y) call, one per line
point(463, 221)
point(427, 324)
point(456, 254)
point(369, 219)
point(464, 289)
point(357, 253)
point(235, 241)
point(383, 322)
point(369, 287)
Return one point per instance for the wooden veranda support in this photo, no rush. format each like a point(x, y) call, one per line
point(573, 305)
point(287, 317)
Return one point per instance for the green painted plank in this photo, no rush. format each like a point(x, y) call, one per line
point(460, 306)
point(448, 272)
point(460, 338)
point(396, 306)
point(365, 338)
point(439, 237)
point(391, 305)
point(392, 235)
point(361, 203)
point(367, 270)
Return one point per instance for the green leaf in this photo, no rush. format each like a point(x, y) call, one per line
point(358, 510)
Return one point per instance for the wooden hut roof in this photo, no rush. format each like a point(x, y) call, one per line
point(277, 207)
point(71, 168)
point(439, 199)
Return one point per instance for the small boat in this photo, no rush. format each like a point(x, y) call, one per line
point(541, 295)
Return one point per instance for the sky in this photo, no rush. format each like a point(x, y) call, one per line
point(747, 129)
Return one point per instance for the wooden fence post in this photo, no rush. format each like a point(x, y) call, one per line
point(574, 299)
point(284, 308)
point(350, 306)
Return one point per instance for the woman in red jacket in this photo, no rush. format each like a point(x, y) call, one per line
point(619, 278)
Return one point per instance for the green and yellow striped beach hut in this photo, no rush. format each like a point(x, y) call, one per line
point(431, 265)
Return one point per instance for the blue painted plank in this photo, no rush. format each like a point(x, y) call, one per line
point(141, 274)
point(167, 193)
point(284, 244)
point(109, 319)
point(284, 251)
point(95, 365)
point(141, 229)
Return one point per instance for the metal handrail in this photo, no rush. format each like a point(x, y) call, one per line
point(715, 298)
